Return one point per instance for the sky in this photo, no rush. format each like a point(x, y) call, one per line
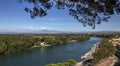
point(14, 18)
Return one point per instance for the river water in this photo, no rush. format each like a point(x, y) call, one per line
point(46, 55)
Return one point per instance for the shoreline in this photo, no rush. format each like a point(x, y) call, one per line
point(88, 56)
point(44, 44)
point(92, 50)
point(110, 60)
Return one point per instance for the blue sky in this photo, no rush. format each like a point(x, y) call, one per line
point(13, 17)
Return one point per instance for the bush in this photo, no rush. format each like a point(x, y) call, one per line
point(70, 62)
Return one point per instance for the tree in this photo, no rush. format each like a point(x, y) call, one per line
point(88, 12)
point(3, 47)
point(70, 62)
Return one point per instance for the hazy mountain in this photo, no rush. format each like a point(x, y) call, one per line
point(42, 31)
point(30, 32)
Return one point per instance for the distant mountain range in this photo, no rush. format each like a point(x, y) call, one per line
point(55, 32)
point(31, 32)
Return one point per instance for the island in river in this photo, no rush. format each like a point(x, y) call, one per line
point(15, 43)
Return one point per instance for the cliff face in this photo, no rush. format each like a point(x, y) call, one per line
point(116, 43)
point(117, 55)
point(118, 51)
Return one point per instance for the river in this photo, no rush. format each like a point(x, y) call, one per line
point(46, 55)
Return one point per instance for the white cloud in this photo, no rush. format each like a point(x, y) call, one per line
point(36, 29)
point(25, 29)
point(43, 28)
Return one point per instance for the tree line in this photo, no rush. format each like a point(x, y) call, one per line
point(70, 62)
point(16, 43)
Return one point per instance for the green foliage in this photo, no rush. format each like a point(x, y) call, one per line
point(3, 47)
point(107, 49)
point(16, 43)
point(103, 35)
point(70, 62)
point(88, 12)
point(59, 39)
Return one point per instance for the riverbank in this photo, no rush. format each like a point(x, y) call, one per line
point(16, 43)
point(88, 57)
point(105, 53)
point(90, 53)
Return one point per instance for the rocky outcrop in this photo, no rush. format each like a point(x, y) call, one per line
point(88, 57)
point(117, 55)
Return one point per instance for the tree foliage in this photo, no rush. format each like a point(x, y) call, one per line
point(70, 62)
point(3, 47)
point(107, 49)
point(17, 43)
point(88, 12)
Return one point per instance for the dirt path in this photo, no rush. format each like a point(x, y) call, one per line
point(79, 64)
point(109, 61)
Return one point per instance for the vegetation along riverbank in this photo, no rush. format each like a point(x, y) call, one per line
point(17, 43)
point(106, 53)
